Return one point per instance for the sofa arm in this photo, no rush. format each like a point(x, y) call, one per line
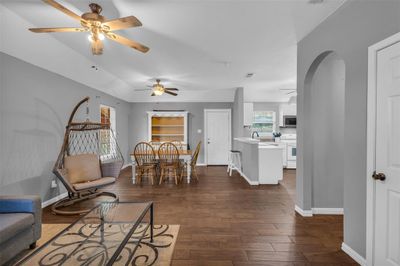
point(18, 204)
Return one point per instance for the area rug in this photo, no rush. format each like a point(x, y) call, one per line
point(157, 253)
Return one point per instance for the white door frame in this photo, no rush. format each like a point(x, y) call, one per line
point(206, 111)
point(371, 133)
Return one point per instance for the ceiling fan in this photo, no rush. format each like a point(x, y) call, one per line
point(98, 27)
point(159, 89)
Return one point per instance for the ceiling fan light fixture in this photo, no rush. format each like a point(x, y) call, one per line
point(100, 37)
point(158, 91)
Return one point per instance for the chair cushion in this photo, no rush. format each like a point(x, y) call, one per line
point(82, 168)
point(13, 223)
point(95, 183)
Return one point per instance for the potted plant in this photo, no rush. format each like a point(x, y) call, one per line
point(277, 136)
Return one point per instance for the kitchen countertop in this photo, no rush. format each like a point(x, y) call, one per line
point(261, 144)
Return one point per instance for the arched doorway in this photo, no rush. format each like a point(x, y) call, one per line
point(324, 100)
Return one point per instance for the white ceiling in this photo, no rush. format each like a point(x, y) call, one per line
point(204, 48)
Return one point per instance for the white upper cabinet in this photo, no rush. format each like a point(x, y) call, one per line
point(248, 114)
point(286, 109)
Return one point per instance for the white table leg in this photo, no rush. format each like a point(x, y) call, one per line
point(188, 169)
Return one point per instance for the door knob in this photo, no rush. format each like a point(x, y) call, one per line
point(379, 176)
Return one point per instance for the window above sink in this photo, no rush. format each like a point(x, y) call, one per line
point(264, 122)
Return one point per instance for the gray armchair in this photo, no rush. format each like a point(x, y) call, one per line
point(20, 224)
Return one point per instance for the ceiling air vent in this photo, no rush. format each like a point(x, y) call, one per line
point(249, 75)
point(313, 2)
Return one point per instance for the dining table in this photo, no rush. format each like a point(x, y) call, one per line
point(185, 155)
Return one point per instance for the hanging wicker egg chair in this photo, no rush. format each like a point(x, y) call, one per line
point(90, 158)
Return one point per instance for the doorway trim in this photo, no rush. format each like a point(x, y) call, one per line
point(206, 111)
point(371, 134)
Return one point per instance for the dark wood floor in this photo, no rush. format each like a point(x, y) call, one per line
point(224, 221)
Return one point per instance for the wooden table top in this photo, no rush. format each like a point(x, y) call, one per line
point(181, 152)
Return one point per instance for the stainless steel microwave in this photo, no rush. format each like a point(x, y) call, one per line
point(289, 121)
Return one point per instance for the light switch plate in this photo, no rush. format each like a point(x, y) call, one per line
point(199, 131)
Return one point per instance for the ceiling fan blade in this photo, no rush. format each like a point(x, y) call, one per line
point(40, 30)
point(143, 89)
point(121, 23)
point(171, 89)
point(97, 47)
point(172, 93)
point(127, 42)
point(153, 94)
point(63, 9)
point(290, 92)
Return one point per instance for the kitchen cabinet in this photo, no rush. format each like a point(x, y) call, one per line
point(248, 114)
point(284, 152)
point(286, 109)
point(262, 162)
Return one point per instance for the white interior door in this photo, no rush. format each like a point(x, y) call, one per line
point(387, 161)
point(217, 136)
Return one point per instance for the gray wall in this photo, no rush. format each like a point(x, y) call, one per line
point(349, 32)
point(267, 106)
point(237, 115)
point(35, 106)
point(327, 130)
point(139, 124)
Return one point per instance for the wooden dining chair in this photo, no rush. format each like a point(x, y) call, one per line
point(146, 162)
point(193, 162)
point(168, 155)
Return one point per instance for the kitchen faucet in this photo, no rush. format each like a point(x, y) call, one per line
point(254, 132)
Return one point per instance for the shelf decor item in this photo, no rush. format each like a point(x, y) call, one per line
point(168, 126)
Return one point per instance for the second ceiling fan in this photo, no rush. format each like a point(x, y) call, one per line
point(159, 89)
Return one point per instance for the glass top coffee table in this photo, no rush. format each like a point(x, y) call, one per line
point(108, 235)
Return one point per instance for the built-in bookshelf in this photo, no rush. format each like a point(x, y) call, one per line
point(167, 126)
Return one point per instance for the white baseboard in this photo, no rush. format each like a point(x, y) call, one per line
point(328, 211)
point(354, 255)
point(304, 213)
point(251, 183)
point(53, 200)
point(201, 164)
point(318, 211)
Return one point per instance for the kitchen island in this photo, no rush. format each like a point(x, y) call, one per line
point(261, 161)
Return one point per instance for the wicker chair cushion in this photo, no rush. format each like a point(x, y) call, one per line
point(82, 168)
point(96, 183)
